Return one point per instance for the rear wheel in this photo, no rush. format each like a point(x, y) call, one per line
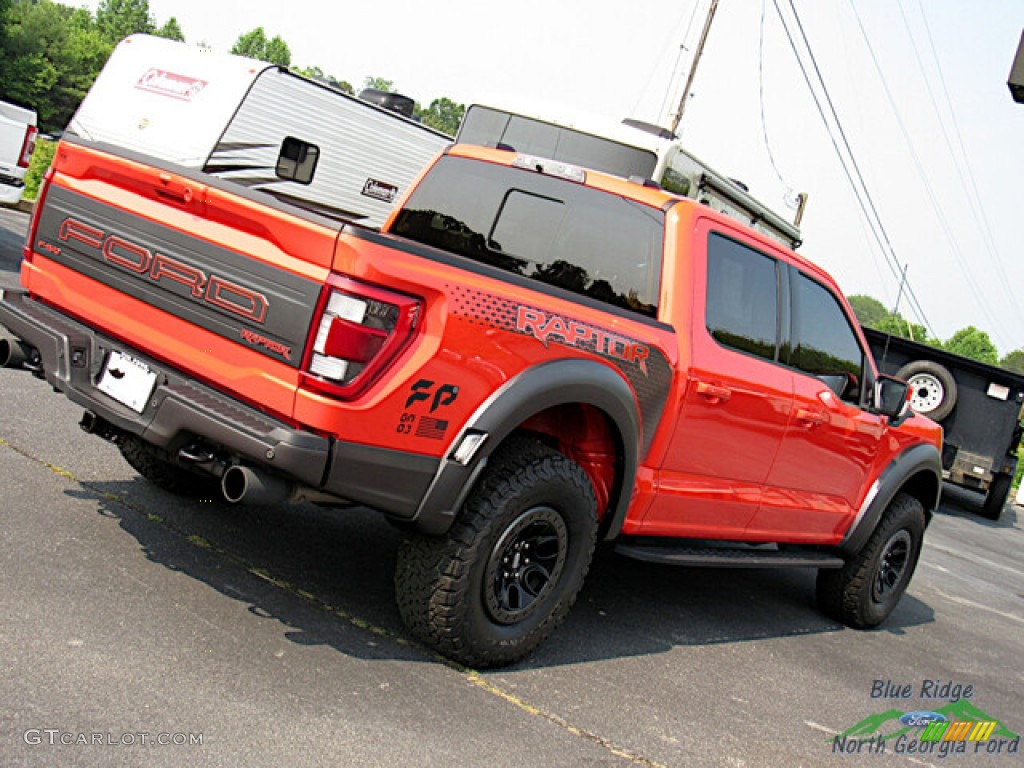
point(865, 591)
point(509, 569)
point(995, 499)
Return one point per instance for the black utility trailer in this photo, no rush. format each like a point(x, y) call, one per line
point(978, 406)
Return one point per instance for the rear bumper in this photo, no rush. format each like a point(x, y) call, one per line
point(180, 409)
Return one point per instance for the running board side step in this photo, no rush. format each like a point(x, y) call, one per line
point(727, 557)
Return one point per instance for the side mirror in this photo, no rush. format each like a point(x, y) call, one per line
point(891, 398)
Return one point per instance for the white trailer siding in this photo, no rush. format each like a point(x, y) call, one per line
point(165, 99)
point(229, 116)
point(367, 155)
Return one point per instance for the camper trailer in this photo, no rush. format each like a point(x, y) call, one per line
point(256, 124)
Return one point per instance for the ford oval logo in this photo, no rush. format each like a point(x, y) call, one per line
point(922, 718)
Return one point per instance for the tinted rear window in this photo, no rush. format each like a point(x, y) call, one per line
point(743, 299)
point(554, 231)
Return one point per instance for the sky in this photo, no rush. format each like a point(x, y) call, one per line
point(919, 87)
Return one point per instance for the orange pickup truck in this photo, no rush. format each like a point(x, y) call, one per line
point(529, 359)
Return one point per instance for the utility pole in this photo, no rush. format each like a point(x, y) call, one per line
point(693, 67)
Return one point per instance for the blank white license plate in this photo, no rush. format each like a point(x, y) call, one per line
point(127, 380)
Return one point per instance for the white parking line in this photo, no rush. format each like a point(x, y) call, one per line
point(980, 606)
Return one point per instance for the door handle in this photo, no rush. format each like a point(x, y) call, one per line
point(810, 418)
point(713, 392)
point(173, 189)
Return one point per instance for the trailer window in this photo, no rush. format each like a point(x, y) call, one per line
point(551, 230)
point(297, 161)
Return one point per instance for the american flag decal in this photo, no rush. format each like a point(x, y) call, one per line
point(431, 428)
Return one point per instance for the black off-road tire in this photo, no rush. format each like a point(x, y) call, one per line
point(507, 572)
point(995, 499)
point(935, 388)
point(865, 591)
point(159, 469)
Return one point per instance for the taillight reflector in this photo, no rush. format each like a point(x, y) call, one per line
point(360, 329)
point(353, 341)
point(28, 146)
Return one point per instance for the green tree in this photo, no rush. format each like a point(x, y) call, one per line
point(318, 74)
point(897, 325)
point(872, 313)
point(117, 19)
point(972, 343)
point(256, 45)
point(1014, 361)
point(869, 311)
point(444, 115)
point(51, 55)
point(171, 30)
point(5, 9)
point(379, 83)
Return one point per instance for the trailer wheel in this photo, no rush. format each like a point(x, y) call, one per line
point(934, 388)
point(507, 572)
point(995, 499)
point(865, 591)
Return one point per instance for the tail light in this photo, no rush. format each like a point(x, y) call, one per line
point(28, 147)
point(360, 330)
point(37, 210)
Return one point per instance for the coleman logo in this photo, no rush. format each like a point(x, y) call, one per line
point(162, 270)
point(169, 84)
point(534, 322)
point(380, 190)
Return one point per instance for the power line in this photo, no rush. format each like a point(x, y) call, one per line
point(670, 37)
point(679, 58)
point(848, 161)
point(963, 167)
point(771, 155)
point(923, 176)
point(760, 89)
point(898, 271)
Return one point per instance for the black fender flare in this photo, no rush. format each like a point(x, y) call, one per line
point(558, 382)
point(918, 465)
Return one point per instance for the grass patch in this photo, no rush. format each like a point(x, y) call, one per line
point(41, 159)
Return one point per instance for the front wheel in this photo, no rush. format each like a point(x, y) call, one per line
point(865, 591)
point(509, 569)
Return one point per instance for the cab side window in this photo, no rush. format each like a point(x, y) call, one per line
point(742, 298)
point(825, 345)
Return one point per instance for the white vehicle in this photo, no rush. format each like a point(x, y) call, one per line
point(630, 149)
point(257, 124)
point(17, 141)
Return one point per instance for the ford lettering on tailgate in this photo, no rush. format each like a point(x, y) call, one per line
point(156, 267)
point(265, 308)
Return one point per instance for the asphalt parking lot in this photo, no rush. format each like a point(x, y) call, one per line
point(142, 629)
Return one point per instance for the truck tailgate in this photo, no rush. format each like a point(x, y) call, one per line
point(216, 282)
